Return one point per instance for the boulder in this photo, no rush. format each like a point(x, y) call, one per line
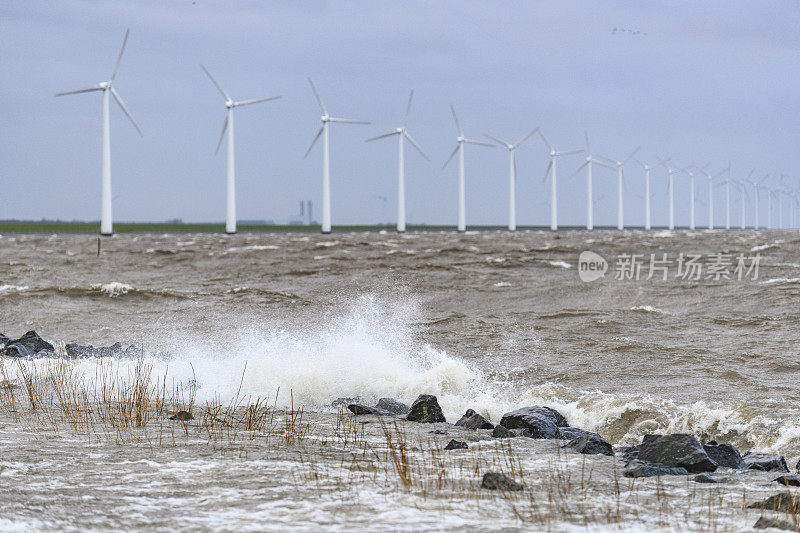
point(456, 445)
point(629, 453)
point(393, 406)
point(784, 502)
point(426, 410)
point(725, 455)
point(345, 401)
point(773, 523)
point(542, 422)
point(679, 450)
point(567, 433)
point(497, 481)
point(473, 420)
point(183, 416)
point(3, 340)
point(29, 344)
point(765, 462)
point(501, 432)
point(76, 351)
point(789, 481)
point(638, 468)
point(591, 444)
point(704, 478)
point(358, 409)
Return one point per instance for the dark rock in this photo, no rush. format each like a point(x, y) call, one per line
point(358, 409)
point(29, 344)
point(767, 523)
point(183, 416)
point(725, 455)
point(426, 410)
point(797, 467)
point(571, 433)
point(344, 402)
point(543, 422)
point(784, 502)
point(629, 453)
point(473, 420)
point(76, 351)
point(524, 432)
point(789, 481)
point(765, 462)
point(704, 478)
point(501, 432)
point(591, 444)
point(638, 468)
point(439, 432)
point(497, 481)
point(677, 450)
point(3, 340)
point(456, 445)
point(393, 406)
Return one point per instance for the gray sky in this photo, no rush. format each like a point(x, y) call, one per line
point(710, 81)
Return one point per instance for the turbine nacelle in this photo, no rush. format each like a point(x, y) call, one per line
point(325, 118)
point(460, 139)
point(400, 130)
point(105, 85)
point(229, 104)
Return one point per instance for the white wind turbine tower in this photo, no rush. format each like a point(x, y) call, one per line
point(671, 192)
point(742, 193)
point(553, 186)
point(769, 205)
point(512, 176)
point(647, 169)
point(326, 172)
point(227, 127)
point(106, 218)
point(461, 140)
point(402, 134)
point(756, 185)
point(690, 173)
point(711, 193)
point(620, 185)
point(590, 160)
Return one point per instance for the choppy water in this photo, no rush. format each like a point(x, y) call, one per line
point(489, 321)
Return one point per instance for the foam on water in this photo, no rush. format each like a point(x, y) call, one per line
point(113, 289)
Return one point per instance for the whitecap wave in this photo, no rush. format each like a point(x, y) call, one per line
point(780, 280)
point(647, 309)
point(5, 289)
point(562, 264)
point(113, 289)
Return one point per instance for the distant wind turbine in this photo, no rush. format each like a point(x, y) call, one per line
point(590, 160)
point(402, 134)
point(106, 218)
point(647, 169)
point(461, 141)
point(671, 193)
point(512, 176)
point(553, 185)
point(756, 185)
point(711, 193)
point(690, 172)
point(227, 127)
point(620, 185)
point(326, 172)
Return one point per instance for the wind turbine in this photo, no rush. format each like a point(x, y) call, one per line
point(671, 192)
point(227, 127)
point(756, 185)
point(742, 193)
point(461, 140)
point(553, 186)
point(690, 172)
point(588, 164)
point(402, 134)
point(620, 184)
point(770, 192)
point(647, 169)
point(106, 218)
point(512, 176)
point(326, 171)
point(711, 193)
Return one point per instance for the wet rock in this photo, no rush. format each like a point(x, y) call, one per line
point(767, 523)
point(358, 409)
point(567, 433)
point(393, 406)
point(497, 481)
point(784, 502)
point(439, 432)
point(473, 420)
point(426, 410)
point(76, 351)
point(3, 340)
point(676, 450)
point(637, 468)
point(797, 466)
point(524, 432)
point(183, 416)
point(629, 453)
point(765, 462)
point(725, 455)
point(543, 422)
point(29, 344)
point(501, 432)
point(590, 444)
point(789, 481)
point(704, 478)
point(456, 445)
point(345, 401)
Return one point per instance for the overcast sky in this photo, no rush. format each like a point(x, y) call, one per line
point(701, 82)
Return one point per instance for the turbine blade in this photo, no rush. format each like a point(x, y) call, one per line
point(515, 169)
point(451, 156)
point(408, 108)
point(125, 110)
point(215, 82)
point(596, 162)
point(571, 152)
point(630, 156)
point(119, 57)
point(598, 156)
point(415, 145)
point(319, 99)
point(498, 141)
point(479, 143)
point(579, 169)
point(382, 136)
point(316, 138)
point(255, 101)
point(528, 136)
point(87, 90)
point(588, 146)
point(222, 133)
point(547, 172)
point(549, 146)
point(348, 121)
point(455, 117)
